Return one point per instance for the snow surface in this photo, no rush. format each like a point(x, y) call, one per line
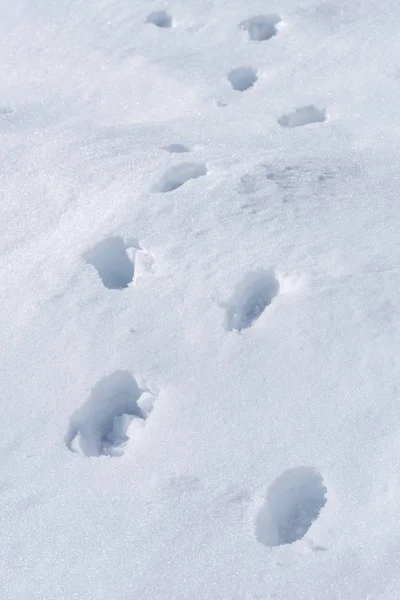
point(199, 300)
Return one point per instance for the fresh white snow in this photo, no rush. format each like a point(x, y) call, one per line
point(200, 275)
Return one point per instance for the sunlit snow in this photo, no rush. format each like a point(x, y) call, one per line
point(199, 300)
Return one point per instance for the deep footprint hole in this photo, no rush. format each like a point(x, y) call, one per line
point(112, 262)
point(242, 78)
point(99, 427)
point(292, 504)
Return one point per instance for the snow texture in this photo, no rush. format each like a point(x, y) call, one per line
point(199, 302)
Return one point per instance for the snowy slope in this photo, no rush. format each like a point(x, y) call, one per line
point(199, 302)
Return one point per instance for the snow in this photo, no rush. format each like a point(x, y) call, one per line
point(200, 265)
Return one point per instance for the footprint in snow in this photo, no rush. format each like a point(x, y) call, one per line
point(5, 111)
point(242, 78)
point(261, 27)
point(176, 176)
point(100, 425)
point(116, 262)
point(176, 148)
point(251, 297)
point(160, 18)
point(290, 507)
point(303, 116)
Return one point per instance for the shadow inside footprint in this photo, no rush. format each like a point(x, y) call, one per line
point(176, 148)
point(261, 27)
point(252, 295)
point(291, 506)
point(160, 18)
point(303, 116)
point(242, 78)
point(5, 111)
point(111, 260)
point(176, 176)
point(101, 423)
